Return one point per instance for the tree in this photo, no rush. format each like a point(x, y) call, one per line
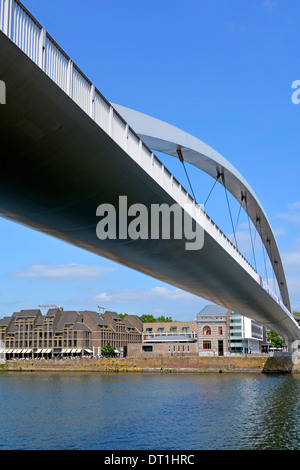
point(148, 318)
point(275, 340)
point(164, 319)
point(151, 319)
point(122, 315)
point(108, 350)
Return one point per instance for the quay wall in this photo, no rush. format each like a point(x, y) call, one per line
point(159, 364)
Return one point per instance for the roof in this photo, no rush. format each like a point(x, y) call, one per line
point(81, 326)
point(68, 317)
point(213, 311)
point(95, 316)
point(5, 321)
point(27, 313)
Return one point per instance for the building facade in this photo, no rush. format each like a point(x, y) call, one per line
point(28, 333)
point(245, 335)
point(222, 332)
point(167, 339)
point(212, 327)
point(186, 328)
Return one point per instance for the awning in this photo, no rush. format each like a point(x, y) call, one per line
point(88, 351)
point(38, 351)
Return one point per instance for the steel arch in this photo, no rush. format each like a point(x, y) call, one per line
point(166, 138)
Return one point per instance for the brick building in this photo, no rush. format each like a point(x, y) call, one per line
point(213, 327)
point(28, 333)
point(167, 339)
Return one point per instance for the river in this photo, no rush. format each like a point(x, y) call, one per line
point(205, 411)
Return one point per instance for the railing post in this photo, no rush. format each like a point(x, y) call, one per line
point(110, 121)
point(92, 100)
point(69, 78)
point(42, 47)
point(7, 14)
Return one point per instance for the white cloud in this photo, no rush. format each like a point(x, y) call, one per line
point(150, 295)
point(63, 271)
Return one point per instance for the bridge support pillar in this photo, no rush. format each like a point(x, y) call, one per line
point(289, 343)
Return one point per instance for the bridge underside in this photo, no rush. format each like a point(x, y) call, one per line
point(58, 165)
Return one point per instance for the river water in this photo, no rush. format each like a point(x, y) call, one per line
point(206, 411)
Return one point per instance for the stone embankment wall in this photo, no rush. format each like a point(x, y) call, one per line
point(160, 364)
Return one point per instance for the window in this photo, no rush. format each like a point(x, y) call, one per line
point(173, 328)
point(147, 348)
point(206, 330)
point(206, 344)
point(220, 330)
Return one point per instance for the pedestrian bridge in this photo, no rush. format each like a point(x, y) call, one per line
point(65, 150)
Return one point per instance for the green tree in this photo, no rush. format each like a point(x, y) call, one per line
point(275, 340)
point(148, 318)
point(108, 350)
point(151, 319)
point(122, 315)
point(164, 319)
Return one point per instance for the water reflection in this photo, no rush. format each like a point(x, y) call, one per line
point(157, 412)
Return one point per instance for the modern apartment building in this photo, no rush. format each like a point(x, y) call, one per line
point(245, 335)
point(28, 333)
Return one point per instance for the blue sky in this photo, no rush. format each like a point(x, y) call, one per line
point(221, 70)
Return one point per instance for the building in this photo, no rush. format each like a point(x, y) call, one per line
point(245, 335)
point(212, 330)
point(167, 339)
point(28, 333)
point(222, 332)
point(186, 328)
